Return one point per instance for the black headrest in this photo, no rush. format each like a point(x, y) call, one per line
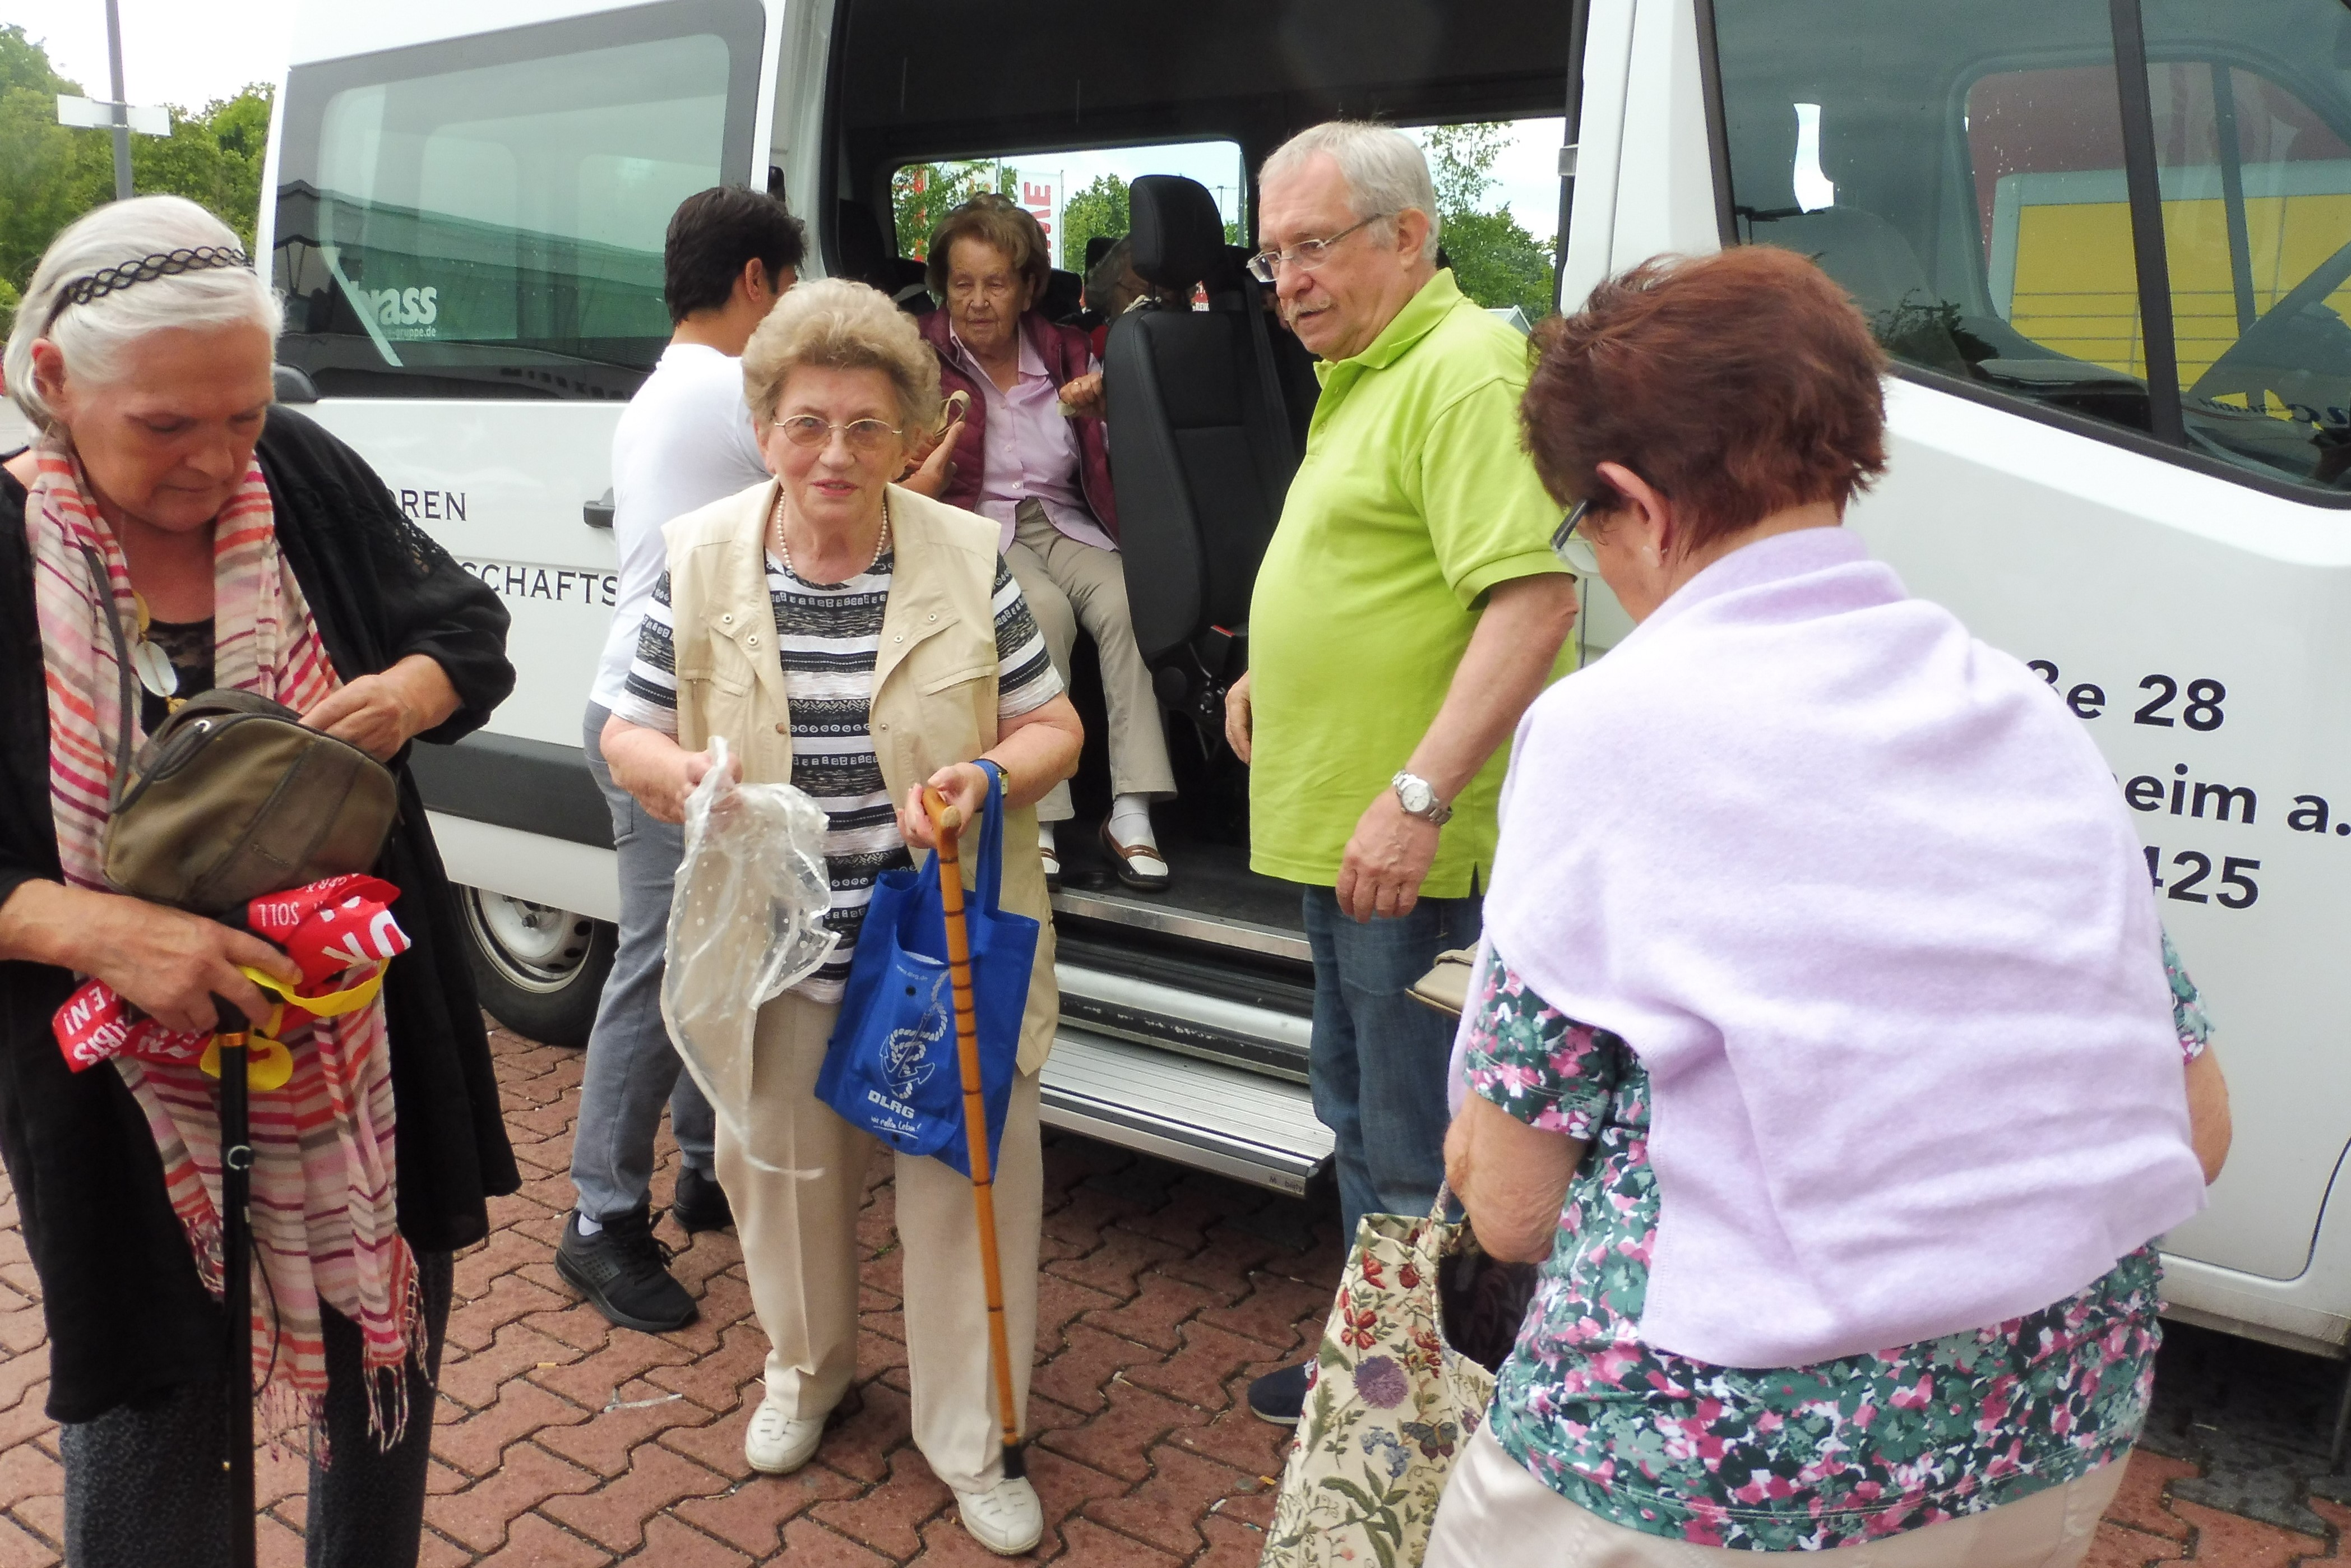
point(857, 236)
point(1179, 236)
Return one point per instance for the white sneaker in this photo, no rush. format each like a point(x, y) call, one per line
point(1007, 1517)
point(776, 1444)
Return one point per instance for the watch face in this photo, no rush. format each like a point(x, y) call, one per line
point(1417, 795)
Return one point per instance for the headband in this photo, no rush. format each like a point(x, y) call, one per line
point(107, 280)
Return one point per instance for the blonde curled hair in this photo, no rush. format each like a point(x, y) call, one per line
point(839, 325)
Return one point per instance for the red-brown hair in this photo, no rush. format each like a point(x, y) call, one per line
point(1738, 384)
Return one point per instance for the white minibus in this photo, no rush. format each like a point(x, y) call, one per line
point(2108, 242)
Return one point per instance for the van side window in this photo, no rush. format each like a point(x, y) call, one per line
point(485, 218)
point(1962, 171)
point(1078, 194)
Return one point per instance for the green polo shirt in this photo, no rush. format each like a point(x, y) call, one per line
point(1414, 500)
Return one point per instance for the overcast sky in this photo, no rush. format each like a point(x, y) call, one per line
point(184, 52)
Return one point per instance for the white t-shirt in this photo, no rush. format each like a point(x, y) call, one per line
point(683, 441)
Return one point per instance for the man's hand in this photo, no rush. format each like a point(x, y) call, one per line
point(380, 714)
point(1239, 734)
point(936, 471)
point(1386, 861)
point(1082, 396)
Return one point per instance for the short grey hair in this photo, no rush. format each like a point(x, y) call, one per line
point(841, 326)
point(1385, 171)
point(92, 337)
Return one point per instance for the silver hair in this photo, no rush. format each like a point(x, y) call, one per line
point(91, 336)
point(1385, 171)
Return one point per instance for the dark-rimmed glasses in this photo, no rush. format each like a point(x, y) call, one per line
point(1572, 549)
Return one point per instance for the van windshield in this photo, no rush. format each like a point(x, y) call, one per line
point(1961, 169)
point(485, 218)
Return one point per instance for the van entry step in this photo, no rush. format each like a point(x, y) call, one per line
point(1225, 1118)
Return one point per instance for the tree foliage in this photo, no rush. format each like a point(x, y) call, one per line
point(1099, 209)
point(1496, 261)
point(50, 175)
point(922, 194)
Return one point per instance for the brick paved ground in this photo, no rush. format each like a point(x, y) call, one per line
point(562, 1441)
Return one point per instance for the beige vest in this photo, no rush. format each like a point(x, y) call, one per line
point(934, 680)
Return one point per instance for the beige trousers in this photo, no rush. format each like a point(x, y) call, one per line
point(1069, 584)
point(1496, 1515)
point(797, 1224)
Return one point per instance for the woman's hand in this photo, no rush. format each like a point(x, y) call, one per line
point(655, 769)
point(1082, 396)
point(934, 470)
point(965, 784)
point(1510, 1179)
point(167, 964)
point(380, 714)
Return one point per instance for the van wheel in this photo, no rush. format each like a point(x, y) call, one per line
point(541, 971)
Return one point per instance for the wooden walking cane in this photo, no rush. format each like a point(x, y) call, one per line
point(237, 1276)
point(947, 822)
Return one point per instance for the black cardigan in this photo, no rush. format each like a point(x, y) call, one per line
point(127, 1315)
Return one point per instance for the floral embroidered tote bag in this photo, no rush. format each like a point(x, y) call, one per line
point(1390, 1405)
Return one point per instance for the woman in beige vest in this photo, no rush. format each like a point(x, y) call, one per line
point(859, 641)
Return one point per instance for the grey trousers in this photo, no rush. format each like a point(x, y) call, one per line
point(631, 1067)
point(1069, 584)
point(144, 1484)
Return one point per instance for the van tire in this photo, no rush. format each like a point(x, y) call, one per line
point(541, 971)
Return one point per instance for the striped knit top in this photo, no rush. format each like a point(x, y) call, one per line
point(828, 636)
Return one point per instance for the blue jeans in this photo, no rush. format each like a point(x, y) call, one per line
point(632, 1068)
point(1377, 1063)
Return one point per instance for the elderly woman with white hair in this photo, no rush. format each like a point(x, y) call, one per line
point(859, 640)
point(166, 508)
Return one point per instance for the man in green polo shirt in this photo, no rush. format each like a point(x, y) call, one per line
point(1408, 609)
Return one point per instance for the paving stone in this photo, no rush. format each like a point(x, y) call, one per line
point(889, 1517)
point(1282, 1312)
point(1118, 1440)
point(1231, 1543)
point(614, 1514)
point(472, 1378)
point(1082, 1374)
point(2118, 1546)
point(474, 1444)
point(604, 1441)
point(2245, 1475)
point(480, 1516)
point(1166, 1510)
point(808, 1544)
point(2140, 1504)
point(1113, 1268)
point(2242, 1542)
point(537, 1543)
point(751, 1514)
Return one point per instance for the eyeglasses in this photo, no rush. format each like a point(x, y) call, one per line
point(1306, 254)
point(864, 435)
point(1572, 548)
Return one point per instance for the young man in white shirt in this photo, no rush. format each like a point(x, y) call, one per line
point(685, 440)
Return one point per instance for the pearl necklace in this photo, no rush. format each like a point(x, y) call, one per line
point(784, 550)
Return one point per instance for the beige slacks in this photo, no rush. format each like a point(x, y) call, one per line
point(797, 1225)
point(1496, 1515)
point(1069, 584)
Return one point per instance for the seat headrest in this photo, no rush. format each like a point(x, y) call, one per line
point(857, 235)
point(1179, 236)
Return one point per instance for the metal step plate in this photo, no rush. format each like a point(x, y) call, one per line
point(1239, 1123)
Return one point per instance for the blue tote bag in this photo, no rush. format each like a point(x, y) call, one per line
point(890, 1066)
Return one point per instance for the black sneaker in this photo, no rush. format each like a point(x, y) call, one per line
point(1280, 1396)
point(701, 1203)
point(624, 1270)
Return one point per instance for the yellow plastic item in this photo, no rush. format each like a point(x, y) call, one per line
point(334, 1004)
point(267, 1063)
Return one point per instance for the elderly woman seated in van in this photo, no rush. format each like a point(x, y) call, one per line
point(859, 641)
point(1033, 456)
point(1823, 1047)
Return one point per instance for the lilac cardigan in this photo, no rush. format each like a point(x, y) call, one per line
point(1864, 901)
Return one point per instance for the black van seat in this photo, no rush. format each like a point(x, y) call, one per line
point(1202, 447)
point(1861, 250)
point(862, 254)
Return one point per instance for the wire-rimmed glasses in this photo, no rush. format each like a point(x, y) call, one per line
point(1306, 254)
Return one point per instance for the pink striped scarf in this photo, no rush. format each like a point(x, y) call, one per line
point(324, 1227)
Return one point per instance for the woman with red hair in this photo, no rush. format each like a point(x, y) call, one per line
point(1821, 1051)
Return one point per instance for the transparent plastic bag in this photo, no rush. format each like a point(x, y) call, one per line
point(746, 921)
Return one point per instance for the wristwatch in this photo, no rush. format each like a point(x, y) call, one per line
point(1418, 797)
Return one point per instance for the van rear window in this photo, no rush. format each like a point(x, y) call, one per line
point(485, 218)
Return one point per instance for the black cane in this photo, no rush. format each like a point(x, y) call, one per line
point(236, 1277)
